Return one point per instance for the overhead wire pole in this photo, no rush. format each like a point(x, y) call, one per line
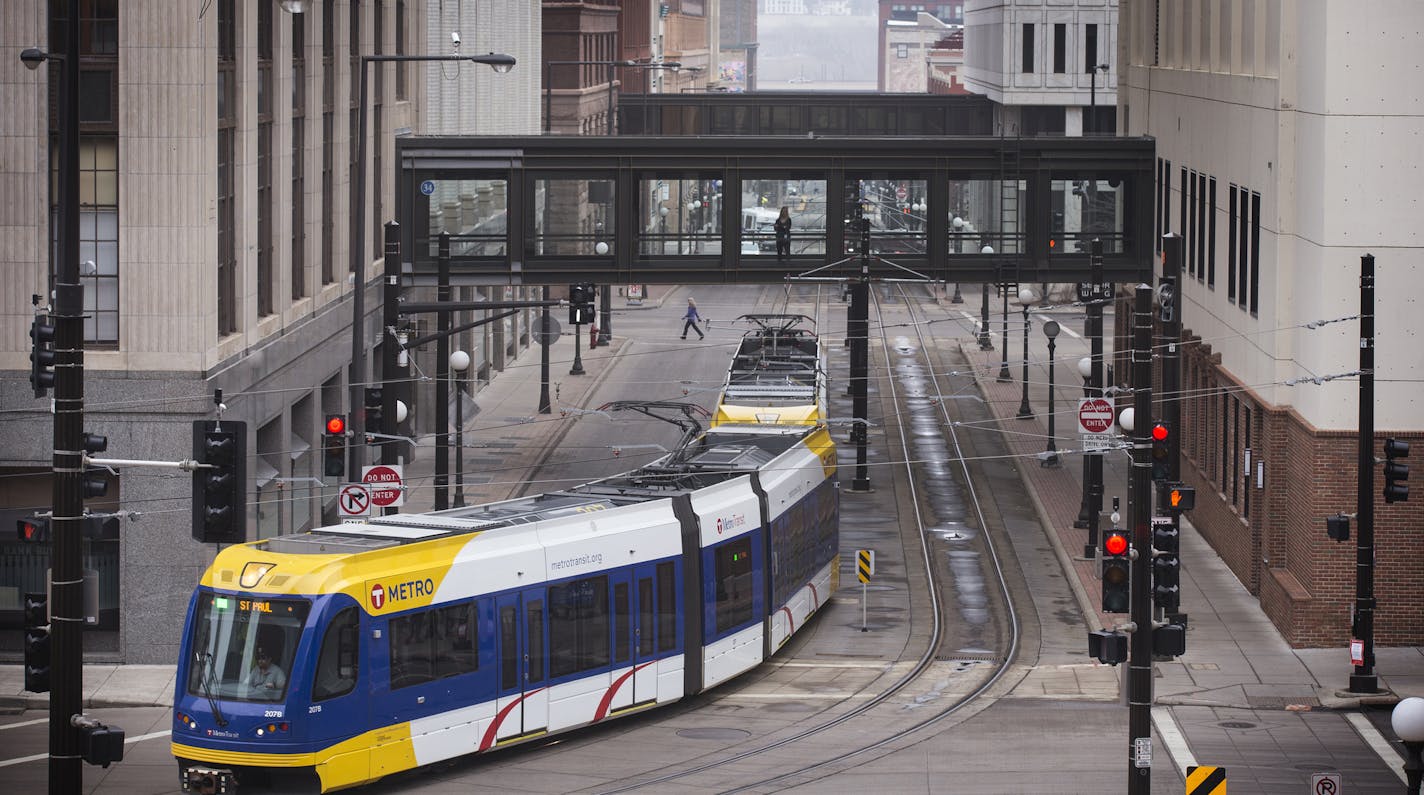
point(860, 360)
point(66, 521)
point(1171, 352)
point(1139, 671)
point(1363, 680)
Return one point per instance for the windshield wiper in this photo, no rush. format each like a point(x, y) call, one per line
point(210, 669)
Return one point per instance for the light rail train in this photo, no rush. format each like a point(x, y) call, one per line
point(778, 375)
point(329, 659)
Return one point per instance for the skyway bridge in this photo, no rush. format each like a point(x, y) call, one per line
point(700, 210)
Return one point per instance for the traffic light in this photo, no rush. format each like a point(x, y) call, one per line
point(374, 417)
point(37, 642)
point(41, 354)
point(1337, 527)
point(1116, 572)
point(1394, 471)
point(1166, 566)
point(1169, 640)
point(1166, 299)
point(220, 489)
point(94, 484)
point(581, 303)
point(333, 446)
point(1161, 451)
point(1107, 646)
point(34, 530)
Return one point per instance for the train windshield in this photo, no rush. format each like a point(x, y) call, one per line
point(243, 647)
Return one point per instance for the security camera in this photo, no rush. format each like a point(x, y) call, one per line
point(455, 38)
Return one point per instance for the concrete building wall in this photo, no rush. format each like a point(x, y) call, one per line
point(1313, 108)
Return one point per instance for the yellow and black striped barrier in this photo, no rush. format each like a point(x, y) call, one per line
point(1206, 780)
point(865, 564)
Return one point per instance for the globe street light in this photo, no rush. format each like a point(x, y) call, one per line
point(1004, 376)
point(1026, 298)
point(459, 362)
point(1407, 719)
point(1050, 330)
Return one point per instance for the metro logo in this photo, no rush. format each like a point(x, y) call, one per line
point(399, 592)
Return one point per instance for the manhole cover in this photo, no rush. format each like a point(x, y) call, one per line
point(713, 734)
point(1236, 724)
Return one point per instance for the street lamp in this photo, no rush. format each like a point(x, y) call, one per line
point(1003, 287)
point(958, 224)
point(459, 362)
point(605, 326)
point(985, 344)
point(499, 62)
point(1093, 96)
point(1025, 299)
point(1408, 722)
point(1050, 330)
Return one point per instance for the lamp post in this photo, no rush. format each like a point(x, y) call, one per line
point(499, 62)
point(957, 224)
point(1026, 297)
point(985, 344)
point(605, 326)
point(1003, 286)
point(1093, 96)
point(459, 362)
point(1050, 330)
point(1407, 719)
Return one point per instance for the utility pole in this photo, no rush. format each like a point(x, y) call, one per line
point(1093, 462)
point(860, 360)
point(390, 345)
point(442, 376)
point(1139, 670)
point(67, 520)
point(1171, 353)
point(1363, 680)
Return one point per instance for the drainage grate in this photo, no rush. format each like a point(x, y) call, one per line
point(1281, 702)
point(1236, 724)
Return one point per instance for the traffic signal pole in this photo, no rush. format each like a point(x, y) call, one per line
point(442, 377)
point(1139, 671)
point(67, 573)
point(1171, 354)
point(1363, 680)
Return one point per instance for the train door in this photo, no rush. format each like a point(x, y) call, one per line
point(645, 636)
point(623, 640)
point(522, 706)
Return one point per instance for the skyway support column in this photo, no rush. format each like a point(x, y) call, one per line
point(1139, 672)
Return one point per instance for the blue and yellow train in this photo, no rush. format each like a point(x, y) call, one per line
point(332, 658)
point(777, 376)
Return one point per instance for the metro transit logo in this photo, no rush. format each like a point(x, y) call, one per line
point(399, 592)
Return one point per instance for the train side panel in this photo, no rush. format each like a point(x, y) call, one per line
point(732, 562)
point(804, 512)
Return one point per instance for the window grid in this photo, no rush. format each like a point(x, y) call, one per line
point(299, 198)
point(227, 154)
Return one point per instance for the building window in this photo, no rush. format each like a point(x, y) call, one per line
point(1090, 48)
point(99, 236)
point(401, 89)
point(299, 198)
point(1060, 48)
point(1231, 245)
point(902, 51)
point(1157, 216)
point(1182, 209)
point(265, 276)
point(1211, 234)
point(1027, 47)
point(1189, 219)
point(1255, 252)
point(328, 145)
point(1243, 246)
point(227, 155)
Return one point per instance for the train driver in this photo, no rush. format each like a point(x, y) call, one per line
point(266, 675)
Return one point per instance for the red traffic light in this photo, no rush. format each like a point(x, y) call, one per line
point(1115, 544)
point(1159, 432)
point(336, 424)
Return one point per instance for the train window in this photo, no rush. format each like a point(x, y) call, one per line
point(578, 626)
point(535, 612)
point(508, 649)
point(337, 665)
point(667, 607)
point(232, 636)
point(456, 648)
point(645, 617)
point(620, 622)
point(411, 659)
point(733, 578)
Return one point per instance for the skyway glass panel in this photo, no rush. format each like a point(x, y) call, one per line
point(1084, 209)
point(571, 216)
point(985, 211)
point(681, 215)
point(894, 207)
point(474, 211)
point(803, 196)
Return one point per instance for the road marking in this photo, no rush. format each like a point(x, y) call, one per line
point(153, 736)
point(1173, 739)
point(25, 723)
point(1061, 327)
point(23, 759)
point(1377, 743)
point(37, 757)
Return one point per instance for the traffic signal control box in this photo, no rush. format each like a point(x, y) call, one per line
point(1396, 472)
point(220, 488)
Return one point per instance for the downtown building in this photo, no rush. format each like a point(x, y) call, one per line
point(217, 142)
point(1288, 144)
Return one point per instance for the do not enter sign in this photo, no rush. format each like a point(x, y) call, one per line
point(1095, 415)
point(386, 484)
